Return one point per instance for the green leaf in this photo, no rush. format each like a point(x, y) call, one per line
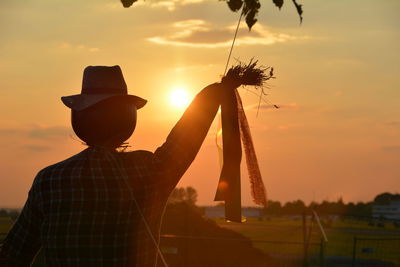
point(278, 3)
point(299, 10)
point(252, 5)
point(127, 3)
point(250, 10)
point(235, 5)
point(251, 19)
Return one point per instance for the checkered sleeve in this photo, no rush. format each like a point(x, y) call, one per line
point(23, 241)
point(173, 158)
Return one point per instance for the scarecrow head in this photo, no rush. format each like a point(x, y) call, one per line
point(103, 114)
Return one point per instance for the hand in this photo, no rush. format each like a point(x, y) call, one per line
point(231, 79)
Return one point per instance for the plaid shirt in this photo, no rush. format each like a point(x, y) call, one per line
point(81, 212)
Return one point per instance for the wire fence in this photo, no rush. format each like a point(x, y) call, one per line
point(362, 252)
point(382, 251)
point(180, 251)
point(183, 250)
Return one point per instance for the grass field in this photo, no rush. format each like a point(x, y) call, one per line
point(284, 236)
point(340, 234)
point(5, 225)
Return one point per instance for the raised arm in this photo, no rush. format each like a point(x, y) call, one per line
point(173, 158)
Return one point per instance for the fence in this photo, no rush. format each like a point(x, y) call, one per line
point(180, 251)
point(355, 251)
point(365, 251)
point(381, 251)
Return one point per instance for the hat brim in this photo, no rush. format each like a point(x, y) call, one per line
point(83, 101)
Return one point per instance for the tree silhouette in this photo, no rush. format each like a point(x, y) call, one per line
point(181, 194)
point(249, 8)
point(386, 198)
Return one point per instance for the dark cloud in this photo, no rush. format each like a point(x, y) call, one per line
point(49, 132)
point(392, 148)
point(393, 123)
point(8, 131)
point(37, 132)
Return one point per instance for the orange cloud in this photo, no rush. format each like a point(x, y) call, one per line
point(78, 47)
point(199, 34)
point(170, 5)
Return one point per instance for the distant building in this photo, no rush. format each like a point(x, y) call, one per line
point(214, 212)
point(219, 212)
point(389, 211)
point(252, 212)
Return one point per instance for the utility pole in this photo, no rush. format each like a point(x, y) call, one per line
point(354, 251)
point(305, 260)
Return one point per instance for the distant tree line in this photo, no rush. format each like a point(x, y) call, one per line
point(297, 207)
point(188, 195)
point(330, 207)
point(324, 208)
point(9, 213)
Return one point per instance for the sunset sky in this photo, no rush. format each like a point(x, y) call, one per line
point(337, 133)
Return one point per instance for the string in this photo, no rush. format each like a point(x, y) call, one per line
point(219, 128)
point(150, 233)
point(122, 172)
point(233, 41)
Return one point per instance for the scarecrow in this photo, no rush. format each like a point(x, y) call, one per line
point(103, 207)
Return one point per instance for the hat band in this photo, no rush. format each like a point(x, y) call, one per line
point(98, 91)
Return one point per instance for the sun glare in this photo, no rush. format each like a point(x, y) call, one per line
point(179, 98)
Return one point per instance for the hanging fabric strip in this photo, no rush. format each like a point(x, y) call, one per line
point(217, 143)
point(229, 183)
point(257, 186)
point(235, 127)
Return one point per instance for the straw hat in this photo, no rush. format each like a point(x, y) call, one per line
point(101, 83)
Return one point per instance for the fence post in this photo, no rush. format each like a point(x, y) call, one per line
point(321, 252)
point(353, 264)
point(305, 261)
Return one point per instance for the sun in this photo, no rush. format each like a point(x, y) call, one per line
point(179, 97)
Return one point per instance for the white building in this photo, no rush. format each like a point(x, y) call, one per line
point(389, 211)
point(219, 212)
